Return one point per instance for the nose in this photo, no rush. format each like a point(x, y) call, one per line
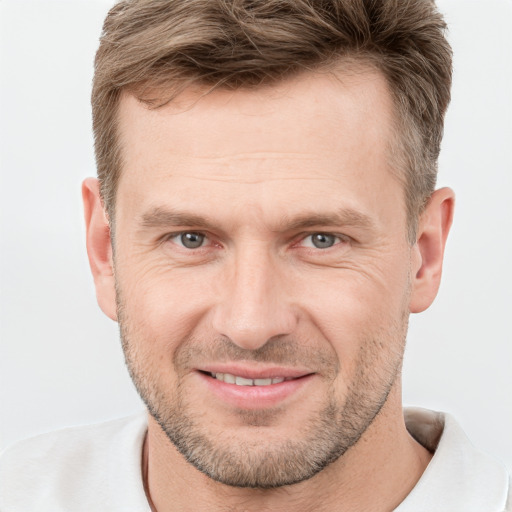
point(254, 306)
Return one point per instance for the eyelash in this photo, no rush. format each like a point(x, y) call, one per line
point(173, 236)
point(338, 239)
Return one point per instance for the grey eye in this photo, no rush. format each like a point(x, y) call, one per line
point(192, 240)
point(322, 240)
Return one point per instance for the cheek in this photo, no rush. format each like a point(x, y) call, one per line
point(160, 312)
point(353, 309)
point(166, 304)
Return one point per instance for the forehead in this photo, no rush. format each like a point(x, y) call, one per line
point(340, 100)
point(305, 137)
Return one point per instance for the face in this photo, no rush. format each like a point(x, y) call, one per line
point(263, 271)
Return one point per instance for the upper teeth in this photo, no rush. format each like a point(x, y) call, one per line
point(242, 381)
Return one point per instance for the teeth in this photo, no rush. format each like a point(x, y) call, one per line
point(262, 382)
point(226, 377)
point(241, 381)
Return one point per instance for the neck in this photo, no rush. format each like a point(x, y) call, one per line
point(377, 473)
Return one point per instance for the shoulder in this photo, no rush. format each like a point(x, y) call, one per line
point(75, 468)
point(459, 477)
point(508, 507)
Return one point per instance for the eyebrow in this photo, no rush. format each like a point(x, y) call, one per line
point(341, 217)
point(163, 217)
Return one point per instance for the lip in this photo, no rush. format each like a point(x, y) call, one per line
point(255, 397)
point(251, 372)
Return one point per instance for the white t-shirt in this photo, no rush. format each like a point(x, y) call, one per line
point(98, 468)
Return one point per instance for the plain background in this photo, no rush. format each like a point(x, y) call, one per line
point(60, 358)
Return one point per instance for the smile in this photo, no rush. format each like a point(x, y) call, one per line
point(228, 378)
point(254, 388)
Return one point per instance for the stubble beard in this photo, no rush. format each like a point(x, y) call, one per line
point(242, 462)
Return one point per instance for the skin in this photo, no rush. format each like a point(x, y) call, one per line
point(267, 169)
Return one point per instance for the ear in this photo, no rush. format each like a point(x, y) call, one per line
point(433, 228)
point(99, 247)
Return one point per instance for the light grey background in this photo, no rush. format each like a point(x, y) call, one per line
point(60, 359)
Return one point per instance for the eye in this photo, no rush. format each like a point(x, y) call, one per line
point(189, 239)
point(320, 240)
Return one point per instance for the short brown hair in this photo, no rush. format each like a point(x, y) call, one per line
point(171, 44)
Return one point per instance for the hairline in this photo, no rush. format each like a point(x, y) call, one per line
point(401, 125)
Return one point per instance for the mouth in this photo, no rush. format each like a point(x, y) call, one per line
point(249, 388)
point(238, 380)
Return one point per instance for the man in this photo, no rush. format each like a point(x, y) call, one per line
point(264, 222)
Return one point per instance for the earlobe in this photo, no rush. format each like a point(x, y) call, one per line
point(433, 229)
point(99, 247)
